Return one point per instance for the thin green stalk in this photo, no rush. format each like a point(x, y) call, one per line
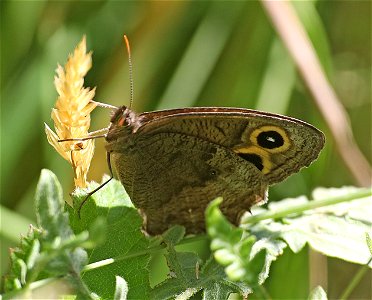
point(297, 209)
point(109, 261)
point(40, 283)
point(354, 282)
point(149, 250)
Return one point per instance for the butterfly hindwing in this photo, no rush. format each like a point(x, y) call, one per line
point(172, 177)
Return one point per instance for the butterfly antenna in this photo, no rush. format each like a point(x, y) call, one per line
point(98, 188)
point(130, 70)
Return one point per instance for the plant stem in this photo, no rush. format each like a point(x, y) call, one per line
point(296, 209)
point(252, 219)
point(354, 282)
point(109, 261)
point(149, 250)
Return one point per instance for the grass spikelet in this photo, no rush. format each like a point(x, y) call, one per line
point(71, 114)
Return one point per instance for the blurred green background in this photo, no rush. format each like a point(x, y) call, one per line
point(184, 54)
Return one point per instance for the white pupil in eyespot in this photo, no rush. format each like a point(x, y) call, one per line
point(270, 139)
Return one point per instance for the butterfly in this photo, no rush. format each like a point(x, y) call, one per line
point(172, 163)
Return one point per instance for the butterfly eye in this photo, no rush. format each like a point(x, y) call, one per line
point(271, 138)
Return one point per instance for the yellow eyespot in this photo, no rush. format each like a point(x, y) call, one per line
point(257, 156)
point(271, 138)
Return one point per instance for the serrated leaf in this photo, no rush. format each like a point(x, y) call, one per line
point(274, 248)
point(359, 209)
point(49, 207)
point(217, 285)
point(212, 280)
point(216, 290)
point(182, 265)
point(334, 236)
point(124, 239)
point(336, 230)
point(188, 276)
point(53, 250)
point(168, 289)
point(21, 257)
point(33, 254)
point(243, 258)
point(174, 235)
point(217, 225)
point(54, 220)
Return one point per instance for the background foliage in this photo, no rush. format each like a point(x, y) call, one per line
point(184, 54)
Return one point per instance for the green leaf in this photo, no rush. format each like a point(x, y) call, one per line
point(125, 245)
point(216, 285)
point(188, 275)
point(245, 258)
point(336, 230)
point(52, 218)
point(174, 235)
point(318, 294)
point(216, 290)
point(52, 250)
point(210, 278)
point(49, 207)
point(183, 266)
point(16, 278)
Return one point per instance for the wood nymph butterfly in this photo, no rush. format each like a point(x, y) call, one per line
point(172, 163)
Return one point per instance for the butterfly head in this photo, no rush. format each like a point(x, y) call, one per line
point(123, 121)
point(123, 117)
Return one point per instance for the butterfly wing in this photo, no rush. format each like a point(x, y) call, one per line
point(277, 145)
point(173, 163)
point(172, 177)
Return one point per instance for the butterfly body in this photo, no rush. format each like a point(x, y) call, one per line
point(172, 163)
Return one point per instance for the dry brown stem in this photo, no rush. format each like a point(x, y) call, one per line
point(301, 50)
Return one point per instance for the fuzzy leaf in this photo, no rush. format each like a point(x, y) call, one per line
point(245, 258)
point(174, 235)
point(50, 205)
point(123, 238)
point(121, 289)
point(211, 280)
point(188, 275)
point(336, 230)
point(52, 250)
point(52, 218)
point(217, 285)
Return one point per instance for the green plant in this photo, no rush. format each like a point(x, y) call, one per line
point(106, 255)
point(248, 66)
